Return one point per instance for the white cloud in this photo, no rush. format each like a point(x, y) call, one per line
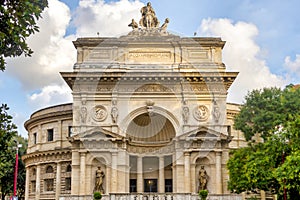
point(53, 52)
point(241, 54)
point(50, 95)
point(293, 66)
point(109, 19)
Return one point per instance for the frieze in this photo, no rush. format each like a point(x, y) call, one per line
point(146, 150)
point(54, 157)
point(99, 145)
point(141, 56)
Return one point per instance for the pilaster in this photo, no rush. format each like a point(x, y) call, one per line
point(187, 172)
point(38, 182)
point(161, 175)
point(139, 182)
point(58, 181)
point(219, 189)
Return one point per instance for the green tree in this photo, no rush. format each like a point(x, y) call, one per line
point(274, 114)
point(18, 22)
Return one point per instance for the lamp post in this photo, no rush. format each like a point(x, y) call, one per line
point(16, 170)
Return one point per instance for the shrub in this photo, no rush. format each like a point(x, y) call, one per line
point(97, 195)
point(203, 194)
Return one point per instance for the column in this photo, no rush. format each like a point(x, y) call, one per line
point(82, 172)
point(139, 181)
point(75, 173)
point(187, 172)
point(161, 175)
point(38, 182)
point(58, 180)
point(219, 172)
point(27, 184)
point(114, 162)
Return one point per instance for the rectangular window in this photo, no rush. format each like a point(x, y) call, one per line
point(168, 185)
point(48, 185)
point(33, 186)
point(68, 183)
point(34, 138)
point(70, 131)
point(132, 185)
point(50, 134)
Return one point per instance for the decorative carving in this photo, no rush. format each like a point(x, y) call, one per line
point(185, 112)
point(99, 181)
point(114, 114)
point(201, 113)
point(99, 113)
point(83, 114)
point(203, 178)
point(216, 111)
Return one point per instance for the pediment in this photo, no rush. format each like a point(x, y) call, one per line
point(203, 133)
point(97, 133)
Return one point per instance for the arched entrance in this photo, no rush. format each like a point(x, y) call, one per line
point(150, 137)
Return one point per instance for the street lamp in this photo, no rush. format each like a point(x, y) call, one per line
point(16, 170)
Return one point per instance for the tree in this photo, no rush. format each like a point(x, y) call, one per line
point(274, 114)
point(18, 22)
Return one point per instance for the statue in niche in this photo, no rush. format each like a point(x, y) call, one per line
point(99, 181)
point(149, 19)
point(83, 114)
point(133, 24)
point(114, 114)
point(203, 178)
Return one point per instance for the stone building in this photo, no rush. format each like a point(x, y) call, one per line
point(149, 114)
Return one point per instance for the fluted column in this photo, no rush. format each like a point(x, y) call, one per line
point(38, 182)
point(82, 172)
point(161, 175)
point(58, 180)
point(139, 181)
point(187, 172)
point(219, 172)
point(27, 184)
point(114, 174)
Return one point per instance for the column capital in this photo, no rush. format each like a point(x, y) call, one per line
point(218, 153)
point(187, 153)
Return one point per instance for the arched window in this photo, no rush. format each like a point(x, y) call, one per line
point(49, 169)
point(69, 168)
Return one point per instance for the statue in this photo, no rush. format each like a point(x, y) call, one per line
point(133, 24)
point(149, 19)
point(114, 114)
point(185, 113)
point(202, 178)
point(99, 181)
point(83, 114)
point(163, 27)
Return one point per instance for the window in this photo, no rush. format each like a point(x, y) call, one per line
point(34, 138)
point(69, 168)
point(33, 172)
point(50, 134)
point(68, 183)
point(48, 185)
point(132, 185)
point(49, 169)
point(33, 186)
point(70, 131)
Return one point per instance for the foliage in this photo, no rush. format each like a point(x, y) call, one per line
point(271, 165)
point(203, 194)
point(18, 22)
point(97, 195)
point(8, 154)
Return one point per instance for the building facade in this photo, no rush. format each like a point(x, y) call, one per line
point(149, 116)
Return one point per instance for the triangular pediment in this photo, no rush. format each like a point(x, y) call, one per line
point(203, 133)
point(97, 133)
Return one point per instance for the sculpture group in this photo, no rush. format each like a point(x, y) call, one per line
point(149, 20)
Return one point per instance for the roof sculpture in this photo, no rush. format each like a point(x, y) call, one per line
point(148, 23)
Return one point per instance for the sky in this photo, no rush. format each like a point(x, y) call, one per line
point(262, 43)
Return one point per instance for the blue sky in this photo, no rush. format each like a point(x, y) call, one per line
point(262, 37)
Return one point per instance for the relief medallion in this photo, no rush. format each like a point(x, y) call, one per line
point(201, 113)
point(99, 113)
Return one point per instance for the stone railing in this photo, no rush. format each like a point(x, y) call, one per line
point(154, 196)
